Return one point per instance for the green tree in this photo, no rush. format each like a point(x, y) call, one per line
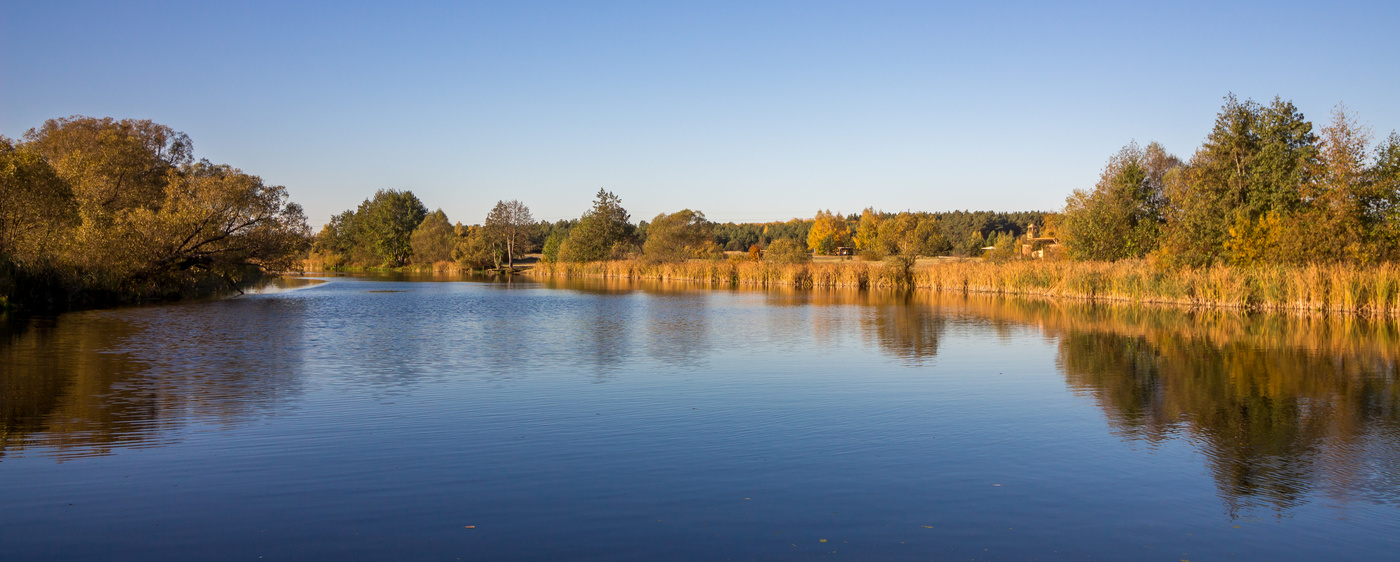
point(679, 236)
point(434, 239)
point(928, 237)
point(1336, 217)
point(510, 225)
point(551, 247)
point(1121, 218)
point(340, 243)
point(1286, 161)
point(387, 221)
point(602, 233)
point(1004, 246)
point(1385, 205)
point(1255, 161)
point(974, 244)
point(474, 248)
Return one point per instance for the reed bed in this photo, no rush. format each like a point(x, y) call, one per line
point(317, 265)
point(1368, 290)
point(853, 274)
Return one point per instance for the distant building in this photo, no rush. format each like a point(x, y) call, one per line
point(1039, 247)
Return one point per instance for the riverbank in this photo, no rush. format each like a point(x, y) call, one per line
point(53, 289)
point(1369, 290)
point(316, 264)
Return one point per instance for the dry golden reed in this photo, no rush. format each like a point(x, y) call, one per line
point(316, 263)
point(1371, 290)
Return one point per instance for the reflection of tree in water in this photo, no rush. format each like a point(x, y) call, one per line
point(1275, 422)
point(601, 327)
point(54, 386)
point(904, 324)
point(904, 327)
point(1283, 407)
point(678, 329)
point(608, 333)
point(85, 383)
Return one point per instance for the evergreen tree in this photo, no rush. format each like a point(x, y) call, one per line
point(602, 233)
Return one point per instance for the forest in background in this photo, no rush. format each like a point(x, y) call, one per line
point(394, 229)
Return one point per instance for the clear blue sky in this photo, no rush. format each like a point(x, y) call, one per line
point(747, 111)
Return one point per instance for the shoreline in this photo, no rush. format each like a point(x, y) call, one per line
point(1356, 290)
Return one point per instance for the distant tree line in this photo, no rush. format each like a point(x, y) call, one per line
point(1264, 188)
point(963, 233)
point(394, 229)
point(96, 211)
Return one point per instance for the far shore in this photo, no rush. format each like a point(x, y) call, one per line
point(1360, 290)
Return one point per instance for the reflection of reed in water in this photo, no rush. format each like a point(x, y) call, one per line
point(1328, 334)
point(904, 324)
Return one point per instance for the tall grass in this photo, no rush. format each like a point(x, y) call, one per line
point(854, 274)
point(317, 264)
point(1369, 290)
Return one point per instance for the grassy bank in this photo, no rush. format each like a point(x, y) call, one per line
point(439, 268)
point(1373, 290)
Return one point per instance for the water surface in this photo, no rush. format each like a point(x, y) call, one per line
point(390, 418)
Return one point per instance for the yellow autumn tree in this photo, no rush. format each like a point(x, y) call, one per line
point(828, 232)
point(868, 231)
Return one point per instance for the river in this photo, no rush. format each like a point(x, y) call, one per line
point(400, 418)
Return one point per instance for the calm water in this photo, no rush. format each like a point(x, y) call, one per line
point(390, 419)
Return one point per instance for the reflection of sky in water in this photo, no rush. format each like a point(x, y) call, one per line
point(569, 417)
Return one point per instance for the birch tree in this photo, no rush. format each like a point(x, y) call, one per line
point(509, 223)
